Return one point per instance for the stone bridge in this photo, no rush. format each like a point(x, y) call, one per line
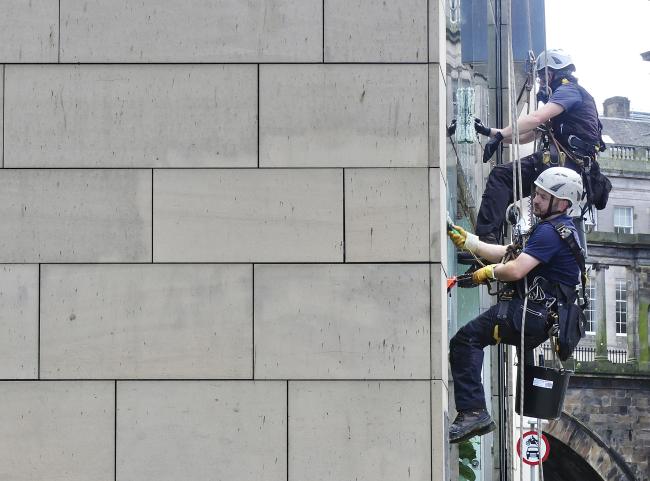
point(604, 431)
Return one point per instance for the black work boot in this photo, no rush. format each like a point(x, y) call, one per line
point(469, 424)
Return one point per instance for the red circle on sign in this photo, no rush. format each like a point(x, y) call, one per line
point(547, 448)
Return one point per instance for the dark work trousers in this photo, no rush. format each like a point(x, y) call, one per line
point(498, 193)
point(498, 190)
point(466, 347)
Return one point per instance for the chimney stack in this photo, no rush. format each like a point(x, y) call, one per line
point(618, 107)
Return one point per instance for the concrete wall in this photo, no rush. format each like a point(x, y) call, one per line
point(221, 240)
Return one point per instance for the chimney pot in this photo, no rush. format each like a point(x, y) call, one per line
point(617, 107)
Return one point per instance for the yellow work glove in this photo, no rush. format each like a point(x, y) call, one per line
point(462, 239)
point(484, 274)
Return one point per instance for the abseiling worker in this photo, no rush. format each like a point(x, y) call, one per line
point(547, 261)
point(572, 116)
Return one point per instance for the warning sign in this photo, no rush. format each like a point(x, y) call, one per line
point(533, 450)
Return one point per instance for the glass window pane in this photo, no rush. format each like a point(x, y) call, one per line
point(623, 220)
point(590, 312)
point(621, 306)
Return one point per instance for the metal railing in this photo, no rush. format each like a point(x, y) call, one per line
point(587, 354)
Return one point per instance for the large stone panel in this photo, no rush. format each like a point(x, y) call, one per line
point(131, 116)
point(194, 31)
point(437, 118)
point(18, 321)
point(439, 324)
point(439, 430)
point(75, 215)
point(342, 321)
point(2, 120)
point(365, 431)
point(386, 215)
point(376, 31)
point(146, 321)
point(438, 216)
point(203, 431)
point(248, 215)
point(57, 430)
point(348, 115)
point(438, 31)
point(29, 31)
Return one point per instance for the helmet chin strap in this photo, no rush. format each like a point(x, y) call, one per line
point(550, 211)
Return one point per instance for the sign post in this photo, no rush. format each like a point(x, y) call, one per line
point(533, 451)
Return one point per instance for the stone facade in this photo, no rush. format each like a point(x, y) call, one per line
point(221, 240)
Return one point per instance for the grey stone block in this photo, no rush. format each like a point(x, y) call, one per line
point(2, 120)
point(376, 31)
point(202, 431)
point(438, 32)
point(172, 31)
point(75, 215)
point(146, 321)
point(439, 325)
point(386, 215)
point(342, 321)
point(57, 430)
point(438, 217)
point(18, 322)
point(248, 215)
point(29, 31)
point(437, 118)
point(439, 430)
point(347, 116)
point(131, 116)
point(366, 431)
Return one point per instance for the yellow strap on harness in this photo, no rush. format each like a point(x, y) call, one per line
point(495, 334)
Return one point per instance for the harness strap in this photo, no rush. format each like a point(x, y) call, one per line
point(567, 236)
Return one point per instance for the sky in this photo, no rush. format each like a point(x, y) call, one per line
point(605, 38)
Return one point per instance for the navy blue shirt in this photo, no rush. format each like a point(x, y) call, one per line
point(566, 95)
point(580, 116)
point(557, 263)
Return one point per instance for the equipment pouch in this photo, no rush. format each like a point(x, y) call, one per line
point(598, 186)
point(572, 329)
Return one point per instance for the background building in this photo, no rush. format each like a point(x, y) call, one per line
point(620, 238)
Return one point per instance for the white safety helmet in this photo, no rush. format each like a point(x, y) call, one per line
point(554, 59)
point(562, 183)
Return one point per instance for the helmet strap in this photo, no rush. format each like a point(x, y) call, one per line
point(550, 211)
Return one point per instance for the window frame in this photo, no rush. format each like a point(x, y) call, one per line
point(621, 309)
point(590, 312)
point(619, 228)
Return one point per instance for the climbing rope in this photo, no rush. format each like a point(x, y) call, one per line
point(517, 188)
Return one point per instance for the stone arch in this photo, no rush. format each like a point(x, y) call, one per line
point(600, 459)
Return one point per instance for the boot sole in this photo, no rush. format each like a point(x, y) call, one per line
point(488, 428)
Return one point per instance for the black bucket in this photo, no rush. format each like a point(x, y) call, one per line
point(544, 391)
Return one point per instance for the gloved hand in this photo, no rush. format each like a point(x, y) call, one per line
point(484, 274)
point(462, 239)
point(451, 128)
point(480, 128)
point(491, 147)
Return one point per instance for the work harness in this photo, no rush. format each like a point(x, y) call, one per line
point(564, 304)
